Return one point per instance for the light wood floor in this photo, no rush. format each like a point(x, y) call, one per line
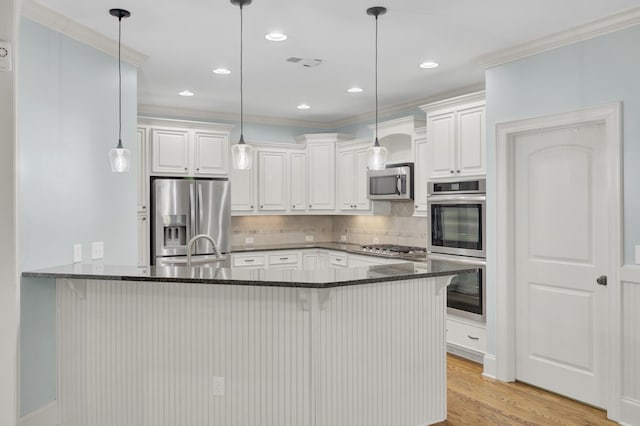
point(476, 400)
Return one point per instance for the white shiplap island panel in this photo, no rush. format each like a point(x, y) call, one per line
point(151, 354)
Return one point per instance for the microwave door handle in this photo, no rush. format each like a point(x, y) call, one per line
point(398, 184)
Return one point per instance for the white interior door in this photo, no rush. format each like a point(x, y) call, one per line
point(561, 249)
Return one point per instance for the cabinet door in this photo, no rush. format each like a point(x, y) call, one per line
point(441, 135)
point(143, 175)
point(471, 151)
point(211, 154)
point(345, 172)
point(243, 193)
point(170, 151)
point(359, 186)
point(421, 176)
point(143, 239)
point(309, 261)
point(272, 181)
point(321, 174)
point(298, 181)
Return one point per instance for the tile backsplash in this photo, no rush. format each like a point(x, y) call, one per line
point(395, 229)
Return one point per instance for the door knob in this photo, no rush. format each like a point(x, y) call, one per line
point(602, 280)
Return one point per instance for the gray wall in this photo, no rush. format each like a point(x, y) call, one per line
point(67, 124)
point(594, 72)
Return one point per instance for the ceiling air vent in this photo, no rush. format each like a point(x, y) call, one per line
point(306, 62)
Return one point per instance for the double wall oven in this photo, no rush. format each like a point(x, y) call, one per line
point(457, 211)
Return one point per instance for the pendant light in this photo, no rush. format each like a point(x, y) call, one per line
point(120, 157)
point(241, 153)
point(377, 155)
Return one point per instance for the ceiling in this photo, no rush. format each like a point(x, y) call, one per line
point(185, 40)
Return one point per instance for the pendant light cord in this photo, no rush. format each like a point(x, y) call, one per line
point(241, 87)
point(376, 143)
point(119, 85)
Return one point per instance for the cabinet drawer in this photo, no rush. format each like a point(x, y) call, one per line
point(336, 259)
point(248, 260)
point(283, 258)
point(466, 335)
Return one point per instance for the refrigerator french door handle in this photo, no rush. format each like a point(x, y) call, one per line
point(192, 209)
point(200, 213)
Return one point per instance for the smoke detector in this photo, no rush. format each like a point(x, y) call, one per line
point(306, 62)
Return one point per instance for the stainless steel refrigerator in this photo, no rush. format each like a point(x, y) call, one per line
point(184, 208)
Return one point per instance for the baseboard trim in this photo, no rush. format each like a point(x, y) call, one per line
point(629, 412)
point(43, 416)
point(490, 368)
point(463, 352)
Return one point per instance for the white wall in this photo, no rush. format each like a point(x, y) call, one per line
point(68, 112)
point(8, 273)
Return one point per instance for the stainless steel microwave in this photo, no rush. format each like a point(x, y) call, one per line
point(395, 182)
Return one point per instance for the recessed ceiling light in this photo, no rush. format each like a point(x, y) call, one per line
point(354, 90)
point(222, 71)
point(186, 93)
point(303, 106)
point(429, 64)
point(275, 37)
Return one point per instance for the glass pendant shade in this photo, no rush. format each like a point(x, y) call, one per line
point(242, 156)
point(120, 159)
point(377, 157)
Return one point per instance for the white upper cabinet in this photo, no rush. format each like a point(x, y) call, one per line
point(321, 161)
point(188, 148)
point(397, 136)
point(211, 153)
point(421, 174)
point(351, 170)
point(272, 181)
point(298, 181)
point(243, 189)
point(456, 135)
point(170, 151)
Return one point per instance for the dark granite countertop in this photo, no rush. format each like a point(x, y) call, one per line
point(349, 248)
point(317, 278)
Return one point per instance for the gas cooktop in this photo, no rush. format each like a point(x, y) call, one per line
point(393, 250)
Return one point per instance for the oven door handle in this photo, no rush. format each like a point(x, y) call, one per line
point(458, 259)
point(457, 198)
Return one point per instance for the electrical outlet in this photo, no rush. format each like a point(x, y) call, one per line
point(343, 238)
point(249, 240)
point(637, 255)
point(376, 240)
point(77, 253)
point(309, 237)
point(97, 250)
point(217, 385)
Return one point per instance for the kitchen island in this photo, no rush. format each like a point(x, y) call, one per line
point(224, 346)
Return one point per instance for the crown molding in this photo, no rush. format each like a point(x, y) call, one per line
point(185, 124)
point(323, 137)
point(454, 101)
point(191, 113)
point(57, 22)
point(599, 27)
point(403, 107)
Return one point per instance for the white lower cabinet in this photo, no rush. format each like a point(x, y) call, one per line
point(283, 260)
point(466, 338)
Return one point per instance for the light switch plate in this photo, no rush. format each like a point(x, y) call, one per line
point(5, 56)
point(97, 250)
point(77, 253)
point(637, 255)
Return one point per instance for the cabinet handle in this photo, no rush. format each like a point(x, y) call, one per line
point(472, 338)
point(284, 258)
point(457, 171)
point(309, 205)
point(185, 169)
point(261, 206)
point(251, 206)
point(144, 207)
point(451, 171)
point(198, 169)
point(249, 260)
point(416, 206)
point(294, 206)
point(144, 218)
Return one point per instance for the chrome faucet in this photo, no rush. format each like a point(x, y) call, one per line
point(192, 242)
